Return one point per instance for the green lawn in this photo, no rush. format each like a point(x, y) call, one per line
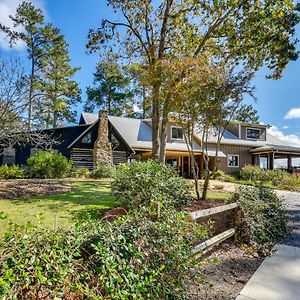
point(220, 196)
point(88, 199)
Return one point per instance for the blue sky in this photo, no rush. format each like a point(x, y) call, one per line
point(275, 99)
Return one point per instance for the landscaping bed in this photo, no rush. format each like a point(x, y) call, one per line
point(224, 273)
point(25, 188)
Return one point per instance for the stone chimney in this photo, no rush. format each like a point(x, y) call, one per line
point(102, 146)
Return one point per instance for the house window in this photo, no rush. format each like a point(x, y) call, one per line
point(233, 160)
point(253, 133)
point(87, 139)
point(9, 156)
point(176, 133)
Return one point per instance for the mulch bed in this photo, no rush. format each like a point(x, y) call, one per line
point(25, 188)
point(224, 273)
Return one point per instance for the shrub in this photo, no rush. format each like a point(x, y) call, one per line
point(219, 174)
point(82, 173)
point(11, 172)
point(277, 177)
point(45, 164)
point(265, 218)
point(104, 171)
point(36, 262)
point(255, 173)
point(132, 258)
point(290, 182)
point(219, 187)
point(144, 183)
point(228, 178)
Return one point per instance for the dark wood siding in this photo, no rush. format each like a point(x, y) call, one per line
point(245, 157)
point(120, 157)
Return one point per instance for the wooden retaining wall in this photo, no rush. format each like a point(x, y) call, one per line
point(226, 219)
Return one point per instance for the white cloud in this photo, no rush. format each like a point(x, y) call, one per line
point(285, 127)
point(294, 113)
point(290, 139)
point(7, 8)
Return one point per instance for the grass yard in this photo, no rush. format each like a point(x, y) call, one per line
point(88, 199)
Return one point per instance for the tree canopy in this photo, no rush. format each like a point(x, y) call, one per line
point(249, 33)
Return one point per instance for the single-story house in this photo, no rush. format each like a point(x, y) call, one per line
point(102, 138)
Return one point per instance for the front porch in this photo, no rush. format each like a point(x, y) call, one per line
point(272, 157)
point(182, 161)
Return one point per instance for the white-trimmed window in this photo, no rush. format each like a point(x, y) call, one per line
point(176, 133)
point(253, 133)
point(233, 160)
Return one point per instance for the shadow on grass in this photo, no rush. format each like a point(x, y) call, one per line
point(87, 200)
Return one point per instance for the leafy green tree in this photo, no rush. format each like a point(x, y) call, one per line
point(111, 90)
point(249, 32)
point(59, 91)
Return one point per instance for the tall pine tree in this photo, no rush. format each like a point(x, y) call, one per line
point(29, 20)
point(59, 91)
point(111, 90)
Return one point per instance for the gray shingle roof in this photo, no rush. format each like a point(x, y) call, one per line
point(138, 134)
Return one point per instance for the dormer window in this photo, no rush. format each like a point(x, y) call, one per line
point(253, 133)
point(176, 133)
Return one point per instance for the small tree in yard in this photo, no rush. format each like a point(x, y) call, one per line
point(210, 106)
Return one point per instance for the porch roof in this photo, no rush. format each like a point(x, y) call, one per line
point(280, 149)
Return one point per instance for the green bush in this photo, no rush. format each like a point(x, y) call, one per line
point(104, 171)
point(228, 178)
point(11, 172)
point(219, 174)
point(45, 164)
point(255, 173)
point(290, 182)
point(147, 183)
point(265, 220)
point(134, 257)
point(37, 262)
point(82, 173)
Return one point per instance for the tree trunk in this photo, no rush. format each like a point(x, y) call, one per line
point(163, 133)
point(30, 96)
point(206, 183)
point(155, 122)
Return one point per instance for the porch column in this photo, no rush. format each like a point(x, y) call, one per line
point(271, 161)
point(289, 163)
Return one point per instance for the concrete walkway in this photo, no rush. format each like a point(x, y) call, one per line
point(278, 277)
